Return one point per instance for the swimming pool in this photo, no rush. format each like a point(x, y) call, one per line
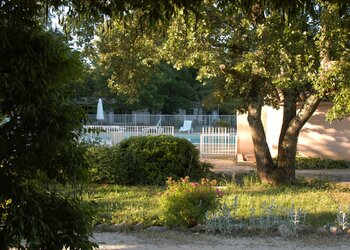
point(192, 137)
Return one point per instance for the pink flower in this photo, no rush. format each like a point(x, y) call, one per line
point(219, 193)
point(194, 184)
point(185, 179)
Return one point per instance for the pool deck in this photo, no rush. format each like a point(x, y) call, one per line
point(228, 166)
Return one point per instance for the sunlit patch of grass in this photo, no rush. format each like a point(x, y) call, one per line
point(117, 204)
point(320, 200)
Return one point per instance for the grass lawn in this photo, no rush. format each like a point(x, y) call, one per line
point(320, 200)
point(133, 204)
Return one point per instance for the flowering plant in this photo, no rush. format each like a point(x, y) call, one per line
point(185, 203)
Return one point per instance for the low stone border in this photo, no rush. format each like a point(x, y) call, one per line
point(283, 230)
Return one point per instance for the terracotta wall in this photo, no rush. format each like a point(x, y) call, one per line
point(318, 137)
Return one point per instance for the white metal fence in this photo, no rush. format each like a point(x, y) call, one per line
point(218, 141)
point(112, 135)
point(213, 141)
point(198, 121)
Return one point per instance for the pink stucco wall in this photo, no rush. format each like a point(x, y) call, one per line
point(244, 140)
point(318, 137)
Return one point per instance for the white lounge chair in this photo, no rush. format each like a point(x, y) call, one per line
point(187, 127)
point(154, 129)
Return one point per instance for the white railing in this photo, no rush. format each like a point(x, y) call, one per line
point(112, 135)
point(218, 141)
point(198, 121)
point(213, 141)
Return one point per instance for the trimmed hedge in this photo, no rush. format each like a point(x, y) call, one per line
point(318, 163)
point(146, 160)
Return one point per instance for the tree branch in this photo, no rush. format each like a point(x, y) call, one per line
point(230, 71)
point(304, 114)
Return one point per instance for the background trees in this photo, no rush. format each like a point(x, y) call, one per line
point(127, 59)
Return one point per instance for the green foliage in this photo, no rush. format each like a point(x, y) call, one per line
point(318, 163)
point(155, 85)
point(36, 72)
point(45, 219)
point(222, 124)
point(151, 159)
point(39, 140)
point(268, 60)
point(104, 167)
point(185, 203)
point(175, 89)
point(146, 160)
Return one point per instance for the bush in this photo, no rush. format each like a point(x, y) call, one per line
point(104, 167)
point(318, 163)
point(146, 160)
point(185, 203)
point(222, 124)
point(40, 219)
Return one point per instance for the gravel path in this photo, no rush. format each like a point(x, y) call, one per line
point(180, 240)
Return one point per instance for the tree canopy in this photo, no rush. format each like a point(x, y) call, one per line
point(268, 60)
point(267, 53)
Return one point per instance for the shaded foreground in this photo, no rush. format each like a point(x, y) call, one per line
point(185, 240)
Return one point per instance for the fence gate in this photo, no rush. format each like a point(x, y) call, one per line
point(218, 141)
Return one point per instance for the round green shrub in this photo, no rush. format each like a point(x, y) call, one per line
point(150, 160)
point(146, 160)
point(185, 203)
point(103, 165)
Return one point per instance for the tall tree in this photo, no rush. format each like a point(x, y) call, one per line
point(39, 135)
point(270, 59)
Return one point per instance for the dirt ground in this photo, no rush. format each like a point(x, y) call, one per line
point(230, 167)
point(180, 240)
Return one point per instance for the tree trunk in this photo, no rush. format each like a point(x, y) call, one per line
point(291, 127)
point(284, 171)
point(287, 144)
point(261, 150)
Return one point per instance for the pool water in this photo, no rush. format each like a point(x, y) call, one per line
point(192, 137)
